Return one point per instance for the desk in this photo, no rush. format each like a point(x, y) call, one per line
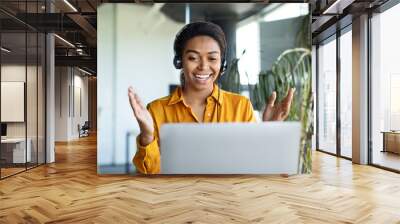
point(391, 141)
point(13, 150)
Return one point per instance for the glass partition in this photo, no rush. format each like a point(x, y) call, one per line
point(14, 154)
point(22, 90)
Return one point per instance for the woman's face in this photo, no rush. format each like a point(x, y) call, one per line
point(201, 61)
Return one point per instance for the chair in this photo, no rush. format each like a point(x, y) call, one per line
point(84, 130)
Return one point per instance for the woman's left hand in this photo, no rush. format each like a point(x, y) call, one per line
point(279, 111)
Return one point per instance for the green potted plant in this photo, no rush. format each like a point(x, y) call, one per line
point(291, 69)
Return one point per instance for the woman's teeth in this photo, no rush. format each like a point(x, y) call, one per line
point(202, 77)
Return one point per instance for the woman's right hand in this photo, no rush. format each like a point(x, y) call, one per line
point(143, 117)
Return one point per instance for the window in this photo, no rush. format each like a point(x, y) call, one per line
point(327, 96)
point(385, 88)
point(346, 93)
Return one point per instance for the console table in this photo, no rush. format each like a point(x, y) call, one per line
point(13, 150)
point(391, 141)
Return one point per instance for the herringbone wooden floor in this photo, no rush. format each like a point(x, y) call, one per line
point(70, 191)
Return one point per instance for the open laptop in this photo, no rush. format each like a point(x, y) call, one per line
point(230, 148)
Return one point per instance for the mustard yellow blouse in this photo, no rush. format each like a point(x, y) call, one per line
point(172, 109)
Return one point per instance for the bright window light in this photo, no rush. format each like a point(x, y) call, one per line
point(286, 11)
point(248, 38)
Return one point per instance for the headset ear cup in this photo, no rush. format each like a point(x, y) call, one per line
point(177, 62)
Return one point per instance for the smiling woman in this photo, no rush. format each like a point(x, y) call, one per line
point(200, 50)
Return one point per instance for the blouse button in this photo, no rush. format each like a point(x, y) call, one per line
point(209, 114)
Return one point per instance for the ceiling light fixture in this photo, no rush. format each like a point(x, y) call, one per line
point(79, 51)
point(84, 71)
point(64, 40)
point(5, 49)
point(70, 5)
point(337, 7)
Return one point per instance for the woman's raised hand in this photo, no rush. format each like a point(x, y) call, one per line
point(142, 116)
point(279, 111)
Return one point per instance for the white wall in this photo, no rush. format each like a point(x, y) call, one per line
point(80, 83)
point(15, 72)
point(61, 103)
point(134, 49)
point(68, 82)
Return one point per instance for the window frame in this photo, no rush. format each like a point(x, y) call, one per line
point(333, 37)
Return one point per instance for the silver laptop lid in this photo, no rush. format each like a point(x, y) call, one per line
point(230, 148)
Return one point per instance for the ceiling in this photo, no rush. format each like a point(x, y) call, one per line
point(328, 16)
point(80, 27)
point(78, 24)
point(238, 11)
